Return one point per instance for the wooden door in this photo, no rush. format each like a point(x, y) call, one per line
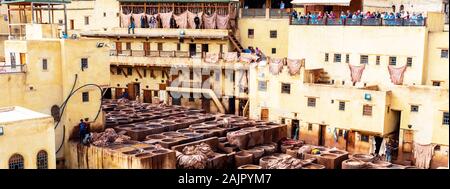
point(322, 134)
point(265, 114)
point(119, 93)
point(72, 24)
point(408, 139)
point(147, 96)
point(119, 48)
point(23, 58)
point(131, 91)
point(351, 141)
point(146, 48)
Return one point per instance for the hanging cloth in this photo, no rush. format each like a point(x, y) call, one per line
point(275, 66)
point(294, 66)
point(230, 57)
point(144, 21)
point(125, 20)
point(182, 20)
point(423, 155)
point(397, 74)
point(247, 57)
point(152, 20)
point(373, 145)
point(345, 132)
point(210, 21)
point(191, 19)
point(356, 72)
point(335, 134)
point(243, 81)
point(383, 147)
point(165, 19)
point(211, 57)
point(223, 21)
point(137, 19)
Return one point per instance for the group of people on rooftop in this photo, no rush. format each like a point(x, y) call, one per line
point(348, 15)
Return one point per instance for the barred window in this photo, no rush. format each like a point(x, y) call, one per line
point(85, 96)
point(342, 105)
point(250, 33)
point(16, 162)
point(367, 110)
point(326, 57)
point(337, 58)
point(445, 118)
point(274, 50)
point(436, 83)
point(84, 64)
point(414, 108)
point(444, 53)
point(310, 128)
point(393, 60)
point(377, 61)
point(42, 160)
point(285, 88)
point(12, 57)
point(364, 59)
point(44, 64)
point(311, 102)
point(364, 138)
point(273, 33)
point(347, 58)
point(409, 61)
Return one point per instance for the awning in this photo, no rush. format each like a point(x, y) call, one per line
point(322, 2)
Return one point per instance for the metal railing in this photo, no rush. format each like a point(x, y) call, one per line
point(170, 54)
point(12, 68)
point(254, 12)
point(359, 22)
point(278, 13)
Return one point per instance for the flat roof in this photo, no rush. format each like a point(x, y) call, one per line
point(179, 1)
point(17, 113)
point(34, 1)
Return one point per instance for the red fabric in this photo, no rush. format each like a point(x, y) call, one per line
point(223, 21)
point(210, 21)
point(397, 74)
point(356, 72)
point(275, 66)
point(182, 19)
point(191, 17)
point(165, 19)
point(294, 66)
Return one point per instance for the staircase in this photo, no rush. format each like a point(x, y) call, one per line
point(236, 43)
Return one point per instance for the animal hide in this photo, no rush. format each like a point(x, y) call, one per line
point(397, 74)
point(230, 57)
point(182, 20)
point(294, 66)
point(356, 72)
point(125, 20)
point(210, 21)
point(275, 66)
point(223, 21)
point(423, 155)
point(165, 19)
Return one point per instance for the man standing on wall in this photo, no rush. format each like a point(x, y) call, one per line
point(132, 24)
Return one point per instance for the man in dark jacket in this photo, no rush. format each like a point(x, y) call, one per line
point(173, 22)
point(197, 22)
point(82, 130)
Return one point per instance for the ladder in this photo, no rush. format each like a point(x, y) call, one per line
point(236, 43)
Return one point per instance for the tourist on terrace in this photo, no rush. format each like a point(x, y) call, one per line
point(331, 15)
point(294, 14)
point(282, 6)
point(349, 14)
point(343, 17)
point(152, 22)
point(132, 24)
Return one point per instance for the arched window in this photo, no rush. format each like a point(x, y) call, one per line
point(42, 160)
point(16, 162)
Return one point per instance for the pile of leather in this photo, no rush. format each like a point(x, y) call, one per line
point(108, 137)
point(238, 138)
point(287, 162)
point(194, 157)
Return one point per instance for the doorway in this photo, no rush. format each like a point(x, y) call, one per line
point(119, 48)
point(107, 94)
point(322, 134)
point(192, 49)
point(295, 129)
point(176, 101)
point(265, 114)
point(133, 90)
point(119, 93)
point(206, 104)
point(351, 141)
point(232, 105)
point(147, 96)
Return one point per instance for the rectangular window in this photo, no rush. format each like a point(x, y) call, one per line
point(364, 59)
point(342, 106)
point(104, 14)
point(84, 64)
point(129, 71)
point(337, 58)
point(13, 59)
point(191, 97)
point(310, 127)
point(273, 33)
point(160, 46)
point(285, 88)
point(393, 60)
point(128, 45)
point(445, 118)
point(414, 108)
point(60, 21)
point(178, 46)
point(367, 110)
point(347, 58)
point(283, 121)
point(262, 85)
point(364, 138)
point(274, 50)
point(311, 102)
point(251, 33)
point(85, 96)
point(377, 60)
point(145, 72)
point(326, 57)
point(119, 71)
point(155, 93)
point(86, 20)
point(436, 83)
point(409, 61)
point(44, 64)
point(72, 24)
point(444, 53)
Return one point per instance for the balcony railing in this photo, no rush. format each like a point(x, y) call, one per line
point(359, 22)
point(277, 13)
point(254, 12)
point(169, 54)
point(12, 68)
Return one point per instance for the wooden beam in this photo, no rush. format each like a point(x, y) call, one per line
point(112, 72)
point(138, 72)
